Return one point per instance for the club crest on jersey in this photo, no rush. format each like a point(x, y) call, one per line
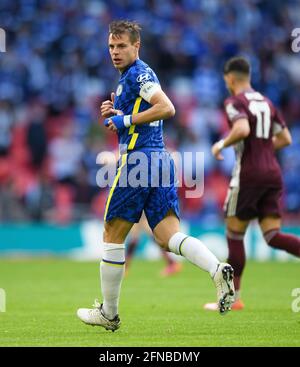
point(119, 90)
point(143, 78)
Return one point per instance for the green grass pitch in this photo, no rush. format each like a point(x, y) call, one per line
point(43, 295)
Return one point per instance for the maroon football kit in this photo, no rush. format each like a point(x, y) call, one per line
point(255, 189)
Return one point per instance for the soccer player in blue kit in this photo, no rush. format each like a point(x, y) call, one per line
point(136, 113)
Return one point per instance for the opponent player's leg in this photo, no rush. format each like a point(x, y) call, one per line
point(240, 206)
point(235, 231)
point(270, 226)
point(172, 267)
point(269, 220)
point(167, 234)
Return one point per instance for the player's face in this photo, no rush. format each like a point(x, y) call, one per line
point(123, 53)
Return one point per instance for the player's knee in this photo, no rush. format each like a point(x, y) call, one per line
point(235, 235)
point(111, 236)
point(106, 237)
point(106, 232)
point(116, 230)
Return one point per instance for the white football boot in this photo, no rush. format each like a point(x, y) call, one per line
point(223, 280)
point(95, 317)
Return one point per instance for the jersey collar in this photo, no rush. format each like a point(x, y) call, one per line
point(128, 67)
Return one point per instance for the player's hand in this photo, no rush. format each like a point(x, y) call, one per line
point(118, 122)
point(216, 150)
point(107, 107)
point(110, 125)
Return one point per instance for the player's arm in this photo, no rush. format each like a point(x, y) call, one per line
point(161, 108)
point(282, 139)
point(239, 131)
point(281, 134)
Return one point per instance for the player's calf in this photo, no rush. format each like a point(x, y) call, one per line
point(283, 241)
point(236, 255)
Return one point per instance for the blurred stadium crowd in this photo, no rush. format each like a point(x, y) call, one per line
point(57, 71)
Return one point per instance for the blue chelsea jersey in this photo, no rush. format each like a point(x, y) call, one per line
point(136, 86)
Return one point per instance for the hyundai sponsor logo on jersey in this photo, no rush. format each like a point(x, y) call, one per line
point(143, 78)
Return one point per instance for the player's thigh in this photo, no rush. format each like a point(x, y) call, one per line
point(144, 225)
point(241, 203)
point(162, 206)
point(166, 228)
point(116, 230)
point(236, 225)
point(270, 222)
point(270, 206)
point(135, 231)
point(123, 209)
point(139, 228)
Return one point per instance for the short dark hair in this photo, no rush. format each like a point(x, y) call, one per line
point(118, 27)
point(237, 65)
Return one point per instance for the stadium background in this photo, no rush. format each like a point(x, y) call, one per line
point(55, 73)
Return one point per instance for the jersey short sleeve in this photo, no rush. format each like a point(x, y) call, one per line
point(278, 122)
point(144, 83)
point(235, 110)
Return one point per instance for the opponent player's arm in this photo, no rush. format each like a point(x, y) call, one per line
point(282, 139)
point(239, 131)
